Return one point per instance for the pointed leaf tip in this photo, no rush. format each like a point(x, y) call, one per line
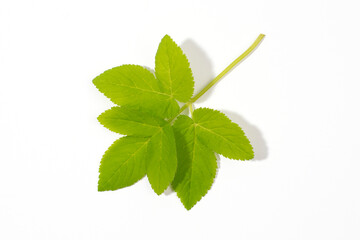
point(173, 71)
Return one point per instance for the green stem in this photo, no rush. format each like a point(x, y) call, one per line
point(221, 75)
point(191, 109)
point(231, 66)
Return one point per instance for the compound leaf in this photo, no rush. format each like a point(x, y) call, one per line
point(181, 153)
point(130, 121)
point(220, 134)
point(123, 164)
point(136, 86)
point(196, 163)
point(172, 68)
point(162, 160)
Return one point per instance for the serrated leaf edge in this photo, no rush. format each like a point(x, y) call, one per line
point(234, 124)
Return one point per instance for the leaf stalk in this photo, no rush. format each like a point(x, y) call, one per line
point(255, 44)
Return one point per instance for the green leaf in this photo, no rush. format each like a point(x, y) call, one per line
point(162, 161)
point(196, 163)
point(130, 121)
point(172, 68)
point(182, 154)
point(220, 134)
point(154, 153)
point(136, 86)
point(123, 164)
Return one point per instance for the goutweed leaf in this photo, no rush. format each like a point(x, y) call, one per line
point(129, 121)
point(173, 70)
point(123, 164)
point(136, 86)
point(153, 151)
point(162, 161)
point(220, 134)
point(171, 149)
point(196, 163)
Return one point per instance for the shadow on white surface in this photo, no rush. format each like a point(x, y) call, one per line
point(201, 67)
point(169, 191)
point(253, 133)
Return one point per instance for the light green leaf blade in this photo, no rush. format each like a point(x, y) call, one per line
point(123, 164)
point(172, 68)
point(162, 160)
point(220, 134)
point(196, 163)
point(136, 86)
point(129, 121)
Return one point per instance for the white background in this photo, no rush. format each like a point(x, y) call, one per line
point(296, 97)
